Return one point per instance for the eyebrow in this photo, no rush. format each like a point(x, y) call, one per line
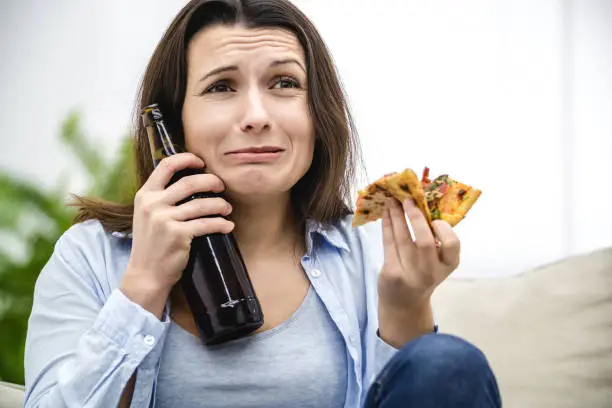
point(288, 61)
point(227, 68)
point(219, 70)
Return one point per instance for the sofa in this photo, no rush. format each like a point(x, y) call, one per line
point(11, 395)
point(547, 332)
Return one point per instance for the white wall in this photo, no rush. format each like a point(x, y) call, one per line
point(511, 96)
point(591, 123)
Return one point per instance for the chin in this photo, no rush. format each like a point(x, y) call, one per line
point(255, 183)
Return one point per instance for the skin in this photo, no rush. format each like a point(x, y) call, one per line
point(247, 88)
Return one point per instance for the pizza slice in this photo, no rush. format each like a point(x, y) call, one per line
point(441, 199)
point(371, 201)
point(448, 199)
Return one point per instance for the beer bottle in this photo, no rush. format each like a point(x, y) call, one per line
point(216, 283)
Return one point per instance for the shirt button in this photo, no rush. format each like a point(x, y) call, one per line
point(315, 273)
point(149, 340)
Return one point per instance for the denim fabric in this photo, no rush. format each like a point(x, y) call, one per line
point(435, 370)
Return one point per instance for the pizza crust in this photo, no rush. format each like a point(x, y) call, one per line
point(407, 185)
point(371, 202)
point(454, 206)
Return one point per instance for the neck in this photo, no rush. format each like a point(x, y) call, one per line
point(267, 226)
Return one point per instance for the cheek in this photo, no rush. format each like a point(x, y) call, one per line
point(308, 138)
point(308, 150)
point(305, 141)
point(303, 156)
point(202, 133)
point(298, 122)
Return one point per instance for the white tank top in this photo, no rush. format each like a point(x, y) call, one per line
point(300, 363)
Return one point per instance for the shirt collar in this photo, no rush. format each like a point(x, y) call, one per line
point(329, 232)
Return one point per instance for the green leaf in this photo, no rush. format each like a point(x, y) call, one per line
point(119, 184)
point(73, 136)
point(20, 196)
point(26, 201)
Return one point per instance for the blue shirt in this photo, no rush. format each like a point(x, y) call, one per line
point(85, 338)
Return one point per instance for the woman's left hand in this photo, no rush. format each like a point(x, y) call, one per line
point(413, 267)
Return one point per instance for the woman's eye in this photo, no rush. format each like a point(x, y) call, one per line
point(218, 87)
point(286, 82)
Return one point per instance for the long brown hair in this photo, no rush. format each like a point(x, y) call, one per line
point(324, 193)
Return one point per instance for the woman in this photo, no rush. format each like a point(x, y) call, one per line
point(250, 89)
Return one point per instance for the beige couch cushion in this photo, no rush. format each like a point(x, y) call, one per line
point(11, 395)
point(547, 332)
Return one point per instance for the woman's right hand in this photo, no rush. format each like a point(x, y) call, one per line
point(162, 231)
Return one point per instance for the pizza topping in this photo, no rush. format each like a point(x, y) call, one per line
point(380, 189)
point(436, 190)
point(432, 196)
point(461, 193)
point(435, 214)
point(438, 182)
point(425, 179)
point(405, 187)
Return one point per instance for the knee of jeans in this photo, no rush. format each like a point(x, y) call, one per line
point(444, 355)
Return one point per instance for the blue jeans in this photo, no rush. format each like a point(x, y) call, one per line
point(435, 370)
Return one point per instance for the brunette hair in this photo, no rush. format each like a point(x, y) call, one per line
point(324, 193)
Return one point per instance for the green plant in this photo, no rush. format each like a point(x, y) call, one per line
point(32, 219)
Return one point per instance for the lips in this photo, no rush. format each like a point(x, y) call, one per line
point(258, 150)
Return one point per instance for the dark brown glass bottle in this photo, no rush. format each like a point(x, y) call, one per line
point(215, 282)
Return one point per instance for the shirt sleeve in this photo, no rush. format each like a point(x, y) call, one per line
point(82, 349)
point(384, 351)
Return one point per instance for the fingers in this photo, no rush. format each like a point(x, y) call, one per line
point(206, 226)
point(161, 175)
point(390, 249)
point(439, 245)
point(450, 247)
point(189, 185)
point(403, 239)
point(201, 207)
point(417, 263)
point(421, 228)
point(423, 237)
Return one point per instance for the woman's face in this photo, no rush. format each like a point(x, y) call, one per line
point(246, 109)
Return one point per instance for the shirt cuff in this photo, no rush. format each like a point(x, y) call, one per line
point(130, 326)
point(435, 330)
point(383, 352)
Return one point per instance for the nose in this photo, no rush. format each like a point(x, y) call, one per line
point(256, 118)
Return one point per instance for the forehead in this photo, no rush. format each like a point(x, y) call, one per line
point(232, 44)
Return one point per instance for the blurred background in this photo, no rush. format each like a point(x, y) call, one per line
point(513, 97)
